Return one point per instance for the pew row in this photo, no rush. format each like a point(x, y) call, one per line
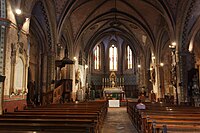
point(73, 118)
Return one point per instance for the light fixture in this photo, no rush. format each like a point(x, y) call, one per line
point(173, 45)
point(18, 11)
point(161, 64)
point(153, 56)
point(75, 58)
point(139, 66)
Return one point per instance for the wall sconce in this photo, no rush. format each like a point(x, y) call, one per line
point(18, 11)
point(75, 58)
point(161, 64)
point(173, 46)
point(139, 66)
point(20, 20)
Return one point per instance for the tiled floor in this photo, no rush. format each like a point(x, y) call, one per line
point(117, 121)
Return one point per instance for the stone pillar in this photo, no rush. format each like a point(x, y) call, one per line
point(50, 71)
point(182, 76)
point(72, 76)
point(13, 63)
point(157, 83)
point(44, 73)
point(3, 24)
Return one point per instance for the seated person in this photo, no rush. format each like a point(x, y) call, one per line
point(140, 105)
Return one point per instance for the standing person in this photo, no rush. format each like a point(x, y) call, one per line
point(153, 96)
point(142, 95)
point(140, 105)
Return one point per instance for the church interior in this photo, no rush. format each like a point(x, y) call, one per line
point(103, 54)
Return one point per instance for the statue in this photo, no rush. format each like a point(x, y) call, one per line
point(112, 79)
point(77, 76)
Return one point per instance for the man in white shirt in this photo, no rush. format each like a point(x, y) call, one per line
point(140, 105)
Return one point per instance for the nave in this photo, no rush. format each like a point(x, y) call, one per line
point(117, 121)
point(52, 49)
point(98, 117)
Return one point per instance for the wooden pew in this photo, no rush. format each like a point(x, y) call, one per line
point(73, 118)
point(161, 113)
point(54, 127)
point(176, 128)
point(171, 115)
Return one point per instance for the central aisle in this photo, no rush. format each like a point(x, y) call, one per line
point(117, 121)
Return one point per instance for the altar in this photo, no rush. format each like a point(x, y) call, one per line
point(113, 87)
point(113, 93)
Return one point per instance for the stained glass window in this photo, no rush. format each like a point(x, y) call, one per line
point(113, 58)
point(97, 57)
point(129, 58)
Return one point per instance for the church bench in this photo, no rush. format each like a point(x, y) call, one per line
point(175, 128)
point(138, 118)
point(68, 116)
point(71, 115)
point(94, 103)
point(100, 114)
point(179, 115)
point(74, 107)
point(60, 114)
point(62, 110)
point(88, 116)
point(75, 130)
point(49, 127)
point(52, 116)
point(66, 109)
point(193, 123)
point(82, 113)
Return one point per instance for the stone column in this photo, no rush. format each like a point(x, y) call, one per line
point(72, 76)
point(3, 24)
point(157, 83)
point(44, 73)
point(182, 76)
point(50, 71)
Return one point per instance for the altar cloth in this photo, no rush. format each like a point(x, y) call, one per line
point(113, 90)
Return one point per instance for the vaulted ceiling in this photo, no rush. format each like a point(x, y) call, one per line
point(133, 19)
point(147, 24)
